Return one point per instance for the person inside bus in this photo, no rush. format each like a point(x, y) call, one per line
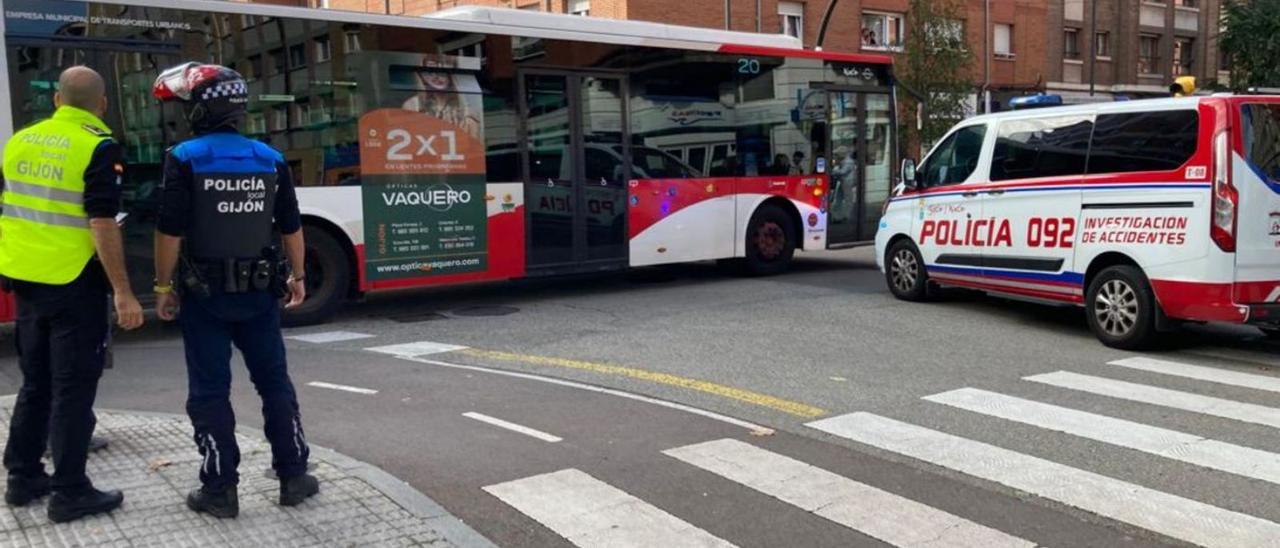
point(843, 178)
point(797, 164)
point(727, 169)
point(781, 165)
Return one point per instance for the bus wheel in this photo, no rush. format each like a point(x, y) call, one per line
point(1121, 308)
point(771, 241)
point(328, 279)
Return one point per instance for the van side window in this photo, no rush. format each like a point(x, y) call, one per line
point(955, 158)
point(1262, 138)
point(1143, 141)
point(1041, 147)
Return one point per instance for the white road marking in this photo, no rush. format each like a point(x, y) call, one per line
point(533, 433)
point(1186, 401)
point(414, 349)
point(343, 387)
point(754, 428)
point(1163, 513)
point(1171, 444)
point(1211, 374)
point(879, 514)
point(330, 337)
point(591, 513)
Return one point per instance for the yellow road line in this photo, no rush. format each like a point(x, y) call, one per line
point(754, 398)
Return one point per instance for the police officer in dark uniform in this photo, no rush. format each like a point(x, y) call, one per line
point(61, 251)
point(224, 196)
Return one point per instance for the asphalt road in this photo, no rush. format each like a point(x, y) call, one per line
point(686, 399)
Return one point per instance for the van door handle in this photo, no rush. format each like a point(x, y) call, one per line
point(995, 192)
point(970, 194)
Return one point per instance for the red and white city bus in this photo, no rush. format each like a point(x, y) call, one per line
point(488, 144)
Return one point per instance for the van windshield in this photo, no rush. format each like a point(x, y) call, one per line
point(1261, 133)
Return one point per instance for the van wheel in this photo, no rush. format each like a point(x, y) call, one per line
point(771, 241)
point(328, 279)
point(905, 273)
point(1121, 309)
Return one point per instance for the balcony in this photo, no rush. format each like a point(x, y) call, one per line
point(1187, 19)
point(1152, 14)
point(1073, 10)
point(1072, 71)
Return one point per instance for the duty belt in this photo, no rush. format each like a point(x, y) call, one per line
point(234, 275)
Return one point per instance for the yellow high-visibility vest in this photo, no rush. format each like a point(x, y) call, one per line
point(44, 230)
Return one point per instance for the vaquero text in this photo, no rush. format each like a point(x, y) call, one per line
point(437, 197)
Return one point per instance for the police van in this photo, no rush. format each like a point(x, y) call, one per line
point(1148, 213)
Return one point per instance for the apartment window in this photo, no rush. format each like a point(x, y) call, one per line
point(946, 34)
point(1102, 45)
point(882, 31)
point(1004, 40)
point(1148, 54)
point(1071, 44)
point(297, 56)
point(1187, 3)
point(324, 50)
point(351, 43)
point(1183, 56)
point(580, 7)
point(791, 16)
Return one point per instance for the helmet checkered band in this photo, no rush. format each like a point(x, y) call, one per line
point(229, 88)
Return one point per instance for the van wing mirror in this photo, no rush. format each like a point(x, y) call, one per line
point(908, 172)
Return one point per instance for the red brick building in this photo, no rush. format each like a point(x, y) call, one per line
point(1010, 58)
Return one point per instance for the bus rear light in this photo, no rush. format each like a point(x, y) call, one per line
point(1225, 198)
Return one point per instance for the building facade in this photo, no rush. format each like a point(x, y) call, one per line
point(1132, 48)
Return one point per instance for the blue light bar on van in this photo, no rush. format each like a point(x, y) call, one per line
point(1035, 101)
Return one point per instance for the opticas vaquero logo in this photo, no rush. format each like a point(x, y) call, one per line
point(439, 197)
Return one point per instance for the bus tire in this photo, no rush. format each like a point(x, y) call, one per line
point(905, 274)
point(1121, 308)
point(771, 241)
point(328, 279)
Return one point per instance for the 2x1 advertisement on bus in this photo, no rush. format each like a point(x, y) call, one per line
point(423, 165)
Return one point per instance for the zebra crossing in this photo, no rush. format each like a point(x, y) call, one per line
point(589, 512)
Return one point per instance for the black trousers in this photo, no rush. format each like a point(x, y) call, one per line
point(251, 322)
point(62, 336)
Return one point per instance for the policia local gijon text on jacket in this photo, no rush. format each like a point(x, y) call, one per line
point(224, 196)
point(61, 196)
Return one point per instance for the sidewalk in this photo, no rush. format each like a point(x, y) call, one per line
point(153, 460)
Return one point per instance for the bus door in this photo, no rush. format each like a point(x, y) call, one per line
point(134, 117)
point(577, 161)
point(859, 160)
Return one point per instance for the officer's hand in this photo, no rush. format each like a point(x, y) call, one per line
point(128, 311)
point(167, 306)
point(297, 293)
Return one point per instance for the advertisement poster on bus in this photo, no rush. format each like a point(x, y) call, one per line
point(422, 161)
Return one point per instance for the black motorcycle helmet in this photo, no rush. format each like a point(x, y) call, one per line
point(213, 96)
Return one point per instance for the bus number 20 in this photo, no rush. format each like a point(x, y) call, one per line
point(1051, 232)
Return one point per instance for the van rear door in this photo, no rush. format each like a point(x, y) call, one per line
point(1256, 177)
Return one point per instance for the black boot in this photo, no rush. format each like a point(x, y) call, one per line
point(24, 490)
point(297, 489)
point(225, 504)
point(64, 506)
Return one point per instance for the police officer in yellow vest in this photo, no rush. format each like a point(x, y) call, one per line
point(60, 247)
